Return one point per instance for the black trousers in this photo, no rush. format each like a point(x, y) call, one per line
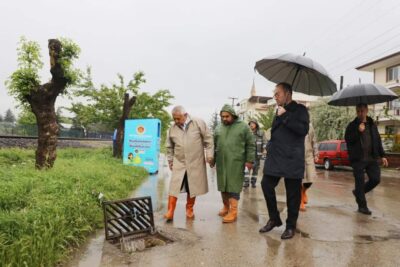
point(293, 197)
point(185, 185)
point(361, 187)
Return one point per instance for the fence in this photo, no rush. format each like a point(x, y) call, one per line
point(13, 129)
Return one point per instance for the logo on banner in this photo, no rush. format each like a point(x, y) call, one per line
point(140, 129)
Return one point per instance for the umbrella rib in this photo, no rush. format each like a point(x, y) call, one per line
point(287, 77)
point(330, 90)
point(273, 65)
point(298, 75)
point(319, 84)
point(279, 70)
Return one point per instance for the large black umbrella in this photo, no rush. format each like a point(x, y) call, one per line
point(305, 75)
point(367, 93)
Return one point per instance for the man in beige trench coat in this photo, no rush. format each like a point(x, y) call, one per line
point(189, 145)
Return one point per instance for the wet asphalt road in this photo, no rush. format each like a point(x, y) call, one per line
point(330, 232)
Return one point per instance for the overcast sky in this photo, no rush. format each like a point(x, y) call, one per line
point(202, 51)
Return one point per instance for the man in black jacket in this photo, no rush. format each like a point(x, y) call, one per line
point(285, 158)
point(365, 148)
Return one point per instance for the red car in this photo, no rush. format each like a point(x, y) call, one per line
point(333, 153)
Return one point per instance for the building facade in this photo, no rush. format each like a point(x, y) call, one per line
point(249, 107)
point(386, 72)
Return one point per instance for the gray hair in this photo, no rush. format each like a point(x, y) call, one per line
point(178, 110)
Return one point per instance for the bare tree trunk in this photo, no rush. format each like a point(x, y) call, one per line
point(42, 102)
point(47, 135)
point(128, 103)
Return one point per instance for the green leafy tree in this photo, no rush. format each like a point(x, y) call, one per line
point(24, 84)
point(60, 118)
point(215, 121)
point(9, 116)
point(111, 105)
point(1, 118)
point(330, 122)
point(26, 117)
point(392, 135)
point(265, 119)
point(153, 106)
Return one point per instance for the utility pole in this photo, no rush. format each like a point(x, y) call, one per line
point(233, 100)
point(341, 82)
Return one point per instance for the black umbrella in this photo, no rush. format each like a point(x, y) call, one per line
point(305, 75)
point(367, 93)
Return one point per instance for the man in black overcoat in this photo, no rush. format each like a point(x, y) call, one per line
point(285, 158)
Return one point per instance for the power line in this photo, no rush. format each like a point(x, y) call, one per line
point(334, 25)
point(233, 100)
point(363, 53)
point(396, 48)
point(371, 40)
point(365, 28)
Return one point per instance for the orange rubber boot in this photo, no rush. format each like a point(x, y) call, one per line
point(189, 207)
point(302, 203)
point(171, 208)
point(233, 210)
point(305, 195)
point(225, 209)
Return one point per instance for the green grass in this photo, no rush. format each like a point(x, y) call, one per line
point(45, 214)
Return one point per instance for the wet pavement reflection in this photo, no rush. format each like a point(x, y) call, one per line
point(330, 232)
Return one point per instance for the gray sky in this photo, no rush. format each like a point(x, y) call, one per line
point(202, 51)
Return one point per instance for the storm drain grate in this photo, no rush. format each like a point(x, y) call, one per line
point(128, 217)
point(141, 242)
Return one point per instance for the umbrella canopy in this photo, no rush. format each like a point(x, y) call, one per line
point(305, 75)
point(367, 93)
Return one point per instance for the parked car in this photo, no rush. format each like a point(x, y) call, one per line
point(333, 153)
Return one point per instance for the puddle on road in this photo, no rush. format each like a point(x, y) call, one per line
point(392, 235)
point(303, 234)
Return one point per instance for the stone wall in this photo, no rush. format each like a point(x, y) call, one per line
point(29, 142)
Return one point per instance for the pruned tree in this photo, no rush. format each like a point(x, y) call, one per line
point(112, 105)
point(24, 84)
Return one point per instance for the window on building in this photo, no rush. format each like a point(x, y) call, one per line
point(395, 104)
point(393, 73)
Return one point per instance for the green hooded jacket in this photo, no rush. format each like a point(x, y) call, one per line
point(234, 146)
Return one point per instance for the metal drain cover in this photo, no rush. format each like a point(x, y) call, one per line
point(128, 217)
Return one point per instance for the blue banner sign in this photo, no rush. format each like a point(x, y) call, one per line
point(142, 143)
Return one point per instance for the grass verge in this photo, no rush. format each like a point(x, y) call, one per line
point(44, 214)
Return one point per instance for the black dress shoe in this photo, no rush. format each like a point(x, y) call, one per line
point(270, 225)
point(365, 211)
point(289, 233)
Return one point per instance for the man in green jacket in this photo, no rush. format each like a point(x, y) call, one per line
point(234, 150)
